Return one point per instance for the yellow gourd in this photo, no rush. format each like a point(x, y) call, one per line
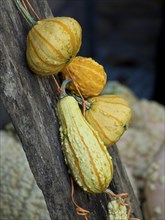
point(18, 186)
point(85, 154)
point(87, 74)
point(109, 115)
point(51, 43)
point(117, 211)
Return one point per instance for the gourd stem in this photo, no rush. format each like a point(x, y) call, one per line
point(80, 101)
point(31, 22)
point(63, 88)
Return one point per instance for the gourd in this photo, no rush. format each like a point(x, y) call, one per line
point(85, 154)
point(149, 114)
point(117, 88)
point(51, 43)
point(154, 187)
point(87, 74)
point(20, 196)
point(109, 115)
point(144, 142)
point(144, 137)
point(116, 211)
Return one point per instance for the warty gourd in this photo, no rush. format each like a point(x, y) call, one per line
point(20, 197)
point(85, 154)
point(88, 75)
point(154, 187)
point(116, 211)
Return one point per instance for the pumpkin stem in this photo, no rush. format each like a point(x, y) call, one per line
point(31, 22)
point(63, 88)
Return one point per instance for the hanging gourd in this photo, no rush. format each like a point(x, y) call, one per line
point(85, 154)
point(88, 75)
point(51, 42)
point(109, 115)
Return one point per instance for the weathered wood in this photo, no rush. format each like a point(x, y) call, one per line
point(30, 101)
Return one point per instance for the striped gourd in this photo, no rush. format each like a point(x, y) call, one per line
point(85, 154)
point(87, 74)
point(109, 115)
point(51, 44)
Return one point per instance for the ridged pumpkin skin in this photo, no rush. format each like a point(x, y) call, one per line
point(52, 43)
point(88, 75)
point(85, 154)
point(109, 115)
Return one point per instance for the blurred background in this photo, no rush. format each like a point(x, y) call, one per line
point(127, 37)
